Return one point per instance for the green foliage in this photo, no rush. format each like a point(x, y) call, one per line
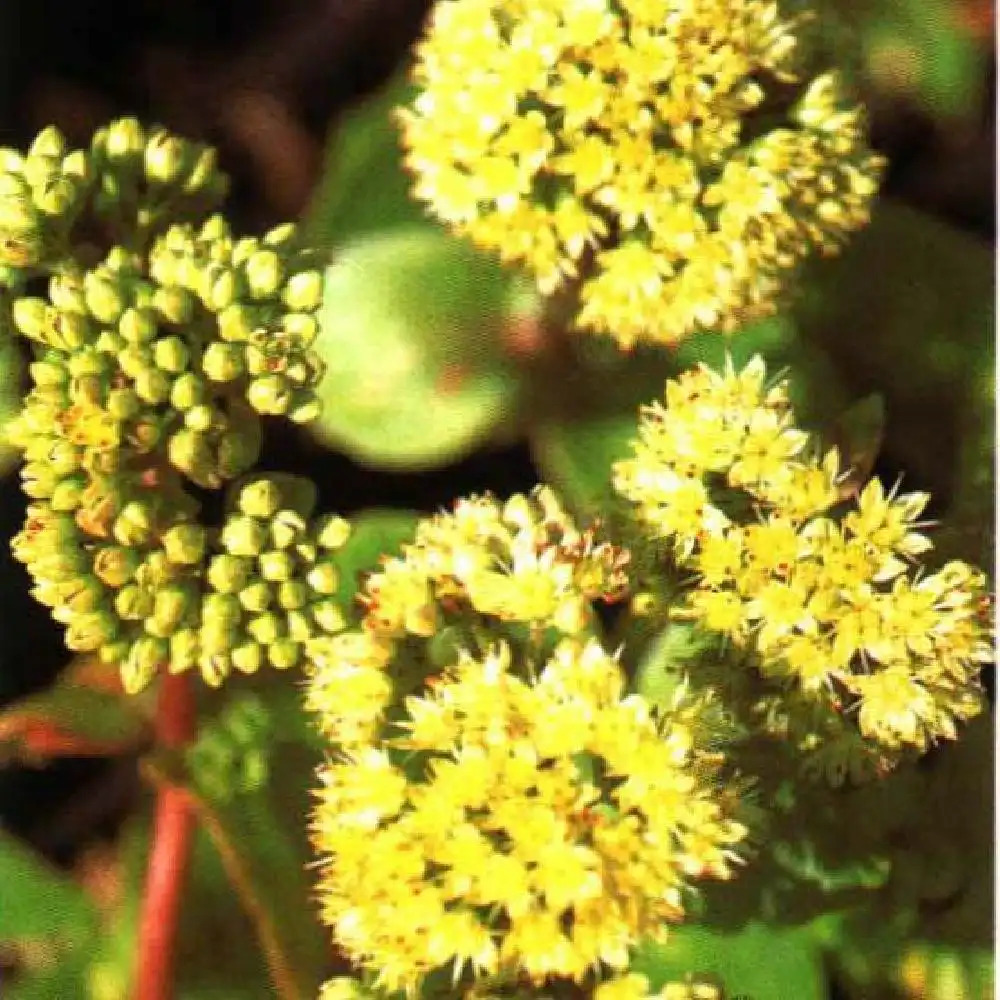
point(411, 335)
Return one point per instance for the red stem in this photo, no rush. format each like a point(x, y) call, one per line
point(173, 827)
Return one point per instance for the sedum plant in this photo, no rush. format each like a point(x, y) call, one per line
point(549, 742)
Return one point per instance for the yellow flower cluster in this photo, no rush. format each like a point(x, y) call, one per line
point(636, 987)
point(828, 601)
point(611, 142)
point(533, 828)
point(521, 561)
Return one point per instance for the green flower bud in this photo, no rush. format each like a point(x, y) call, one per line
point(257, 359)
point(18, 249)
point(137, 326)
point(153, 386)
point(58, 197)
point(78, 166)
point(190, 452)
point(121, 261)
point(88, 362)
point(124, 142)
point(115, 565)
point(87, 594)
point(63, 458)
point(184, 650)
point(292, 594)
point(166, 157)
point(104, 298)
point(303, 292)
point(171, 354)
point(133, 603)
point(67, 494)
point(287, 528)
point(66, 293)
point(105, 462)
point(277, 566)
point(264, 274)
point(184, 544)
point(236, 322)
point(301, 327)
point(332, 532)
point(221, 611)
point(189, 390)
point(123, 404)
point(88, 632)
point(58, 567)
point(256, 598)
point(266, 628)
point(329, 616)
point(300, 626)
point(215, 668)
point(175, 305)
point(248, 657)
point(147, 655)
point(284, 654)
point(205, 178)
point(270, 395)
point(228, 573)
point(31, 316)
point(239, 448)
point(134, 525)
point(200, 418)
point(244, 536)
point(305, 408)
point(260, 498)
point(114, 653)
point(70, 331)
point(307, 551)
point(48, 142)
point(40, 170)
point(156, 571)
point(222, 289)
point(281, 235)
point(223, 362)
point(135, 360)
point(110, 342)
point(171, 607)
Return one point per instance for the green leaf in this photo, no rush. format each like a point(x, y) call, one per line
point(375, 534)
point(759, 962)
point(411, 336)
point(36, 902)
point(84, 714)
point(364, 188)
point(667, 659)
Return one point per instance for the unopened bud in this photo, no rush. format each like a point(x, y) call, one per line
point(277, 566)
point(58, 197)
point(171, 354)
point(134, 525)
point(189, 390)
point(292, 595)
point(284, 654)
point(323, 578)
point(31, 317)
point(171, 606)
point(88, 632)
point(223, 362)
point(124, 141)
point(260, 498)
point(287, 527)
point(248, 657)
point(133, 603)
point(303, 292)
point(329, 616)
point(144, 661)
point(264, 274)
point(104, 298)
point(244, 536)
point(332, 532)
point(190, 452)
point(184, 544)
point(166, 157)
point(270, 395)
point(256, 598)
point(184, 650)
point(115, 565)
point(266, 628)
point(229, 574)
point(153, 386)
point(48, 142)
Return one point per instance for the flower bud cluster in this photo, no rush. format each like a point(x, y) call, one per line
point(144, 378)
point(264, 294)
point(827, 601)
point(484, 567)
point(41, 194)
point(636, 987)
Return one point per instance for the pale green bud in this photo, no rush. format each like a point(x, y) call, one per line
point(78, 166)
point(189, 390)
point(277, 566)
point(281, 235)
point(156, 571)
point(85, 594)
point(257, 359)
point(266, 628)
point(104, 298)
point(329, 616)
point(248, 657)
point(270, 395)
point(223, 362)
point(184, 544)
point(222, 289)
point(115, 565)
point(244, 536)
point(184, 650)
point(264, 274)
point(303, 292)
point(88, 362)
point(166, 157)
point(123, 404)
point(215, 667)
point(63, 458)
point(57, 197)
point(89, 631)
point(300, 626)
point(284, 654)
point(31, 317)
point(114, 653)
point(71, 330)
point(41, 170)
point(228, 573)
point(332, 532)
point(48, 374)
point(18, 216)
point(256, 598)
point(13, 185)
point(287, 528)
point(134, 525)
point(239, 449)
point(125, 141)
point(137, 326)
point(171, 354)
point(133, 603)
point(220, 612)
point(152, 386)
point(260, 498)
point(190, 452)
point(49, 142)
point(305, 408)
point(236, 322)
point(175, 305)
point(303, 328)
point(144, 661)
point(205, 177)
point(110, 342)
point(67, 494)
point(292, 594)
point(200, 418)
point(171, 606)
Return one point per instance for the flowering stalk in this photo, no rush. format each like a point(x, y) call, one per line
point(173, 827)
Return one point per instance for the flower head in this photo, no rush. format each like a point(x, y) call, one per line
point(611, 143)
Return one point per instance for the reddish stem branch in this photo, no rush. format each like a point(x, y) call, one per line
point(173, 827)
